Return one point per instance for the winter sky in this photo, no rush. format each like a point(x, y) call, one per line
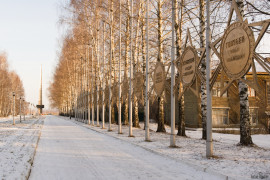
point(29, 35)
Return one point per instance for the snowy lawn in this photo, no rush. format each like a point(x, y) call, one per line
point(230, 160)
point(17, 146)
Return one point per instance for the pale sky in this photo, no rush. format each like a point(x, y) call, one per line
point(29, 35)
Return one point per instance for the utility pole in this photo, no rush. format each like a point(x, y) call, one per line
point(92, 87)
point(119, 106)
point(172, 138)
point(209, 142)
point(131, 71)
point(103, 81)
point(88, 94)
point(147, 138)
point(97, 75)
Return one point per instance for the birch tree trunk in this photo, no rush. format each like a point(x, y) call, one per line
point(203, 69)
point(160, 118)
point(245, 131)
point(178, 33)
point(143, 60)
point(136, 67)
point(125, 122)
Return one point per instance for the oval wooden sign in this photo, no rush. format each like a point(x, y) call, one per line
point(100, 95)
point(106, 99)
point(159, 78)
point(115, 94)
point(138, 84)
point(237, 48)
point(188, 65)
point(125, 87)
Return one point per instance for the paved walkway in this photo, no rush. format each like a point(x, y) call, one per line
point(69, 151)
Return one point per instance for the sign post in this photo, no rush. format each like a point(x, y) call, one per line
point(147, 138)
point(172, 138)
point(209, 142)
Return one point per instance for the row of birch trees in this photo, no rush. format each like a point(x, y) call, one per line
point(9, 82)
point(92, 50)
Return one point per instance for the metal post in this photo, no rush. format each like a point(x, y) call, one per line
point(103, 81)
point(13, 107)
point(97, 78)
point(119, 106)
point(172, 138)
point(85, 88)
point(130, 72)
point(209, 142)
point(88, 94)
point(20, 109)
point(147, 138)
point(23, 111)
point(92, 92)
point(110, 75)
point(81, 92)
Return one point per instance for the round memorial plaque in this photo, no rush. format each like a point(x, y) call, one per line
point(138, 84)
point(106, 100)
point(100, 95)
point(159, 78)
point(188, 66)
point(125, 87)
point(115, 92)
point(236, 50)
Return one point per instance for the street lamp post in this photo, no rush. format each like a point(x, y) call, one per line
point(23, 111)
point(13, 107)
point(20, 109)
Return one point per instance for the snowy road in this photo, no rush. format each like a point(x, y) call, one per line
point(69, 151)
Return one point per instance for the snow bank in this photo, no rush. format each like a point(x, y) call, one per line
point(17, 146)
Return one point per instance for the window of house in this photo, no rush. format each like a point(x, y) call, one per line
point(253, 115)
point(251, 92)
point(217, 90)
point(220, 116)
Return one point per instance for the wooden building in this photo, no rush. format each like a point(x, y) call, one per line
point(226, 109)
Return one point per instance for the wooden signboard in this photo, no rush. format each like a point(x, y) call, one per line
point(115, 94)
point(95, 96)
point(159, 78)
point(138, 84)
point(100, 95)
point(106, 94)
point(188, 66)
point(236, 50)
point(125, 87)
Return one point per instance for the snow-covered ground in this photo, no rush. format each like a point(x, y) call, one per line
point(17, 146)
point(230, 160)
point(91, 149)
point(67, 150)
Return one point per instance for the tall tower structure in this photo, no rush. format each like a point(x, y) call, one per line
point(40, 106)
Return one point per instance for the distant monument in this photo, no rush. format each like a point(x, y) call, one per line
point(40, 106)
